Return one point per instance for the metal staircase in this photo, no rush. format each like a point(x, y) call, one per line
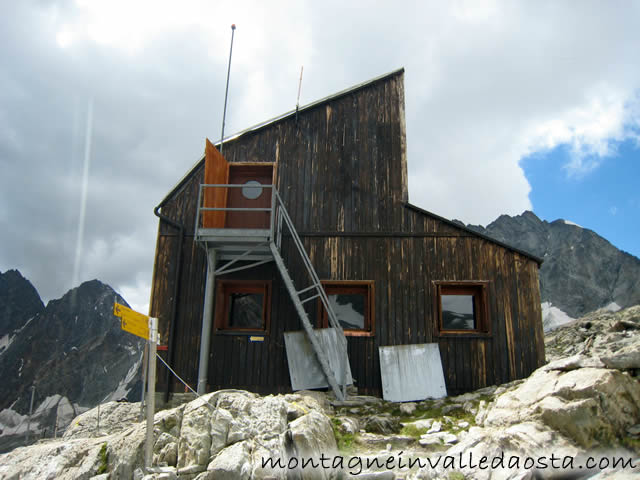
point(234, 247)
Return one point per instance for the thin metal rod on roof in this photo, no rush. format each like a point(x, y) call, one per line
point(299, 88)
point(226, 92)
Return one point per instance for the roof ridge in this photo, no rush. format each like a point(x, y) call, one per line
point(313, 104)
point(462, 227)
point(273, 120)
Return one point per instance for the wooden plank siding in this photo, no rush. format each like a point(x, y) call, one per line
point(342, 173)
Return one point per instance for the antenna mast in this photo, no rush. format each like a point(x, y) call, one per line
point(299, 88)
point(226, 92)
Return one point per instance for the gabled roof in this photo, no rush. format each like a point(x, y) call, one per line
point(459, 226)
point(283, 117)
point(323, 101)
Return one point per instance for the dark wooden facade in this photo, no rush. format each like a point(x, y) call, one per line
point(342, 173)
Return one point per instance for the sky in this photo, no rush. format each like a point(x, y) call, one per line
point(105, 105)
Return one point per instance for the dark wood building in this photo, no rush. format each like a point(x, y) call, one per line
point(394, 273)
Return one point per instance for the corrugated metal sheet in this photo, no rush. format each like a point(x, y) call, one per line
point(304, 368)
point(411, 372)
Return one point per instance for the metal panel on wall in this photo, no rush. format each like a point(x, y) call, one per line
point(411, 372)
point(304, 367)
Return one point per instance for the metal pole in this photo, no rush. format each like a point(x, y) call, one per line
point(151, 390)
point(226, 92)
point(145, 363)
point(299, 88)
point(207, 320)
point(33, 392)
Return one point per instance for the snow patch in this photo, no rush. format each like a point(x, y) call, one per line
point(571, 223)
point(48, 403)
point(13, 423)
point(10, 419)
point(131, 349)
point(553, 317)
point(65, 413)
point(24, 326)
point(5, 342)
point(121, 390)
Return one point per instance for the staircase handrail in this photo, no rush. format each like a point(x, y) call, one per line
point(333, 321)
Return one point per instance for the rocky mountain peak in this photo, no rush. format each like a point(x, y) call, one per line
point(72, 351)
point(19, 301)
point(582, 271)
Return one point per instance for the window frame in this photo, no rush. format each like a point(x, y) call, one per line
point(224, 289)
point(478, 290)
point(336, 287)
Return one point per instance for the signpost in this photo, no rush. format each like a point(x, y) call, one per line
point(132, 321)
point(147, 328)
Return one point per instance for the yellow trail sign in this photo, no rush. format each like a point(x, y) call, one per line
point(132, 321)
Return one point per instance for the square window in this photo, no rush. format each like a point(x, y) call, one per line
point(353, 304)
point(245, 310)
point(461, 308)
point(458, 312)
point(243, 306)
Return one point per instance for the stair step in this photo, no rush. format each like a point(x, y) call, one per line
point(309, 298)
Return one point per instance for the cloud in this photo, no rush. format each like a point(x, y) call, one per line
point(593, 131)
point(486, 85)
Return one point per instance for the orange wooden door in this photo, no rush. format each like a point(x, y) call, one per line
point(216, 171)
point(252, 195)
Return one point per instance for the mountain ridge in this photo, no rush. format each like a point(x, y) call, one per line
point(72, 350)
point(19, 301)
point(582, 271)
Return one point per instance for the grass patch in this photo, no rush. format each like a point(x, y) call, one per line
point(461, 415)
point(486, 398)
point(344, 440)
point(430, 412)
point(631, 443)
point(413, 431)
point(456, 476)
point(103, 455)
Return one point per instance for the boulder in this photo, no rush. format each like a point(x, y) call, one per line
point(236, 402)
point(221, 421)
point(528, 439)
point(263, 418)
point(125, 451)
point(349, 425)
point(311, 400)
point(232, 463)
point(422, 424)
point(593, 407)
point(438, 438)
point(435, 427)
point(265, 450)
point(194, 445)
point(626, 358)
point(574, 362)
point(312, 434)
point(166, 447)
point(68, 459)
point(452, 407)
point(408, 408)
point(371, 441)
point(108, 418)
point(384, 424)
point(225, 434)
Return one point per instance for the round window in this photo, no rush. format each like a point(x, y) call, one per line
point(252, 189)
